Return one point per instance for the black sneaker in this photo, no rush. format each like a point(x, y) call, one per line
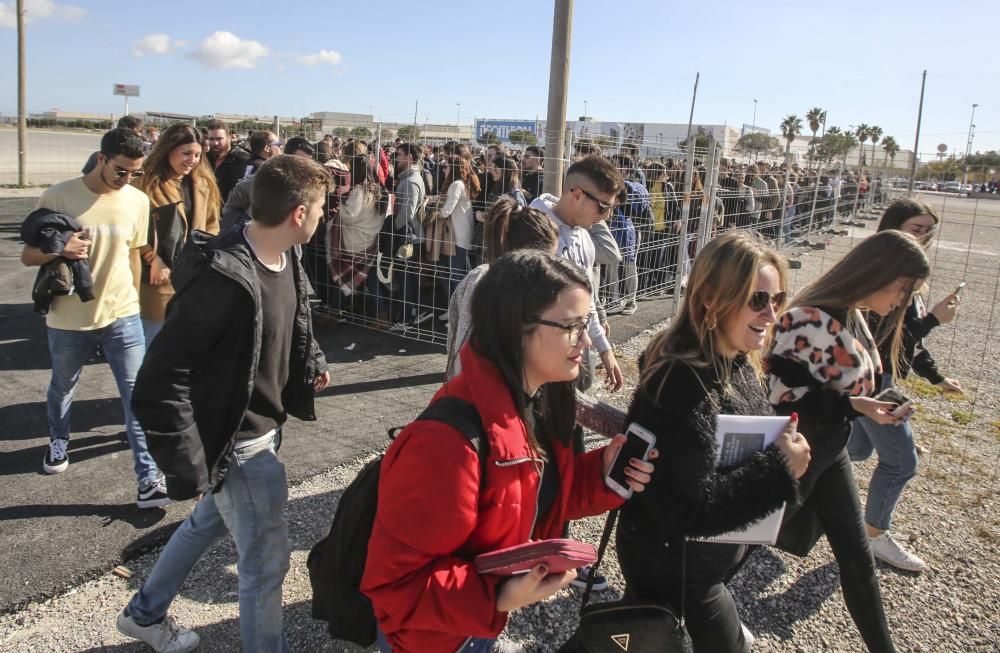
point(583, 573)
point(56, 457)
point(422, 316)
point(153, 495)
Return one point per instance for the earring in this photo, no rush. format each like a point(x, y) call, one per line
point(714, 323)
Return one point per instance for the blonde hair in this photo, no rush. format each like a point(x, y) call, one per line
point(723, 278)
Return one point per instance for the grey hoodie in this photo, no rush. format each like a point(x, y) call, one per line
point(576, 245)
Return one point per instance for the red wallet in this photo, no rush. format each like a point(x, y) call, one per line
point(558, 555)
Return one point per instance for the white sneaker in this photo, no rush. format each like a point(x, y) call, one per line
point(168, 636)
point(888, 550)
point(747, 635)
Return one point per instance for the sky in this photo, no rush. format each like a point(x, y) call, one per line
point(631, 60)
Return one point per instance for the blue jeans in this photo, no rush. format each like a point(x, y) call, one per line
point(474, 645)
point(450, 272)
point(897, 464)
point(124, 347)
point(251, 506)
point(150, 328)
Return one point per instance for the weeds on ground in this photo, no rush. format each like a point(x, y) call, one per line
point(963, 417)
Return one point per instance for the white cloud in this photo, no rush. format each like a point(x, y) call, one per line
point(323, 57)
point(224, 50)
point(155, 44)
point(38, 10)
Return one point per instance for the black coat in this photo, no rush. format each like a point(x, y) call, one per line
point(235, 167)
point(688, 495)
point(912, 354)
point(50, 231)
point(194, 386)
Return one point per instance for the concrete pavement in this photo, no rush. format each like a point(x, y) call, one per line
point(56, 531)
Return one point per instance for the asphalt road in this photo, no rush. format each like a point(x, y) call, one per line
point(56, 531)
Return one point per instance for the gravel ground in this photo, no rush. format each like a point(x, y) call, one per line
point(949, 512)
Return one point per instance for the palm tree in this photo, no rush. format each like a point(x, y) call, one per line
point(791, 126)
point(875, 134)
point(891, 147)
point(815, 117)
point(861, 133)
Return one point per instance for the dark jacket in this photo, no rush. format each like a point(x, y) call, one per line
point(688, 495)
point(912, 353)
point(194, 386)
point(234, 167)
point(50, 231)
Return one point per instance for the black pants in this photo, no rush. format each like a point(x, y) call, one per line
point(652, 573)
point(830, 494)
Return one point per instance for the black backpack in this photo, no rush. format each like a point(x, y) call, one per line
point(337, 562)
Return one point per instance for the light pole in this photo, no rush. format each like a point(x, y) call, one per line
point(968, 146)
point(753, 126)
point(458, 114)
point(585, 111)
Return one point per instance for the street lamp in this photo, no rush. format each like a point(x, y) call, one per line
point(585, 111)
point(458, 114)
point(968, 146)
point(753, 127)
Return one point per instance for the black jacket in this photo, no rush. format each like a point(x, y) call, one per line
point(50, 231)
point(194, 386)
point(234, 167)
point(912, 354)
point(687, 494)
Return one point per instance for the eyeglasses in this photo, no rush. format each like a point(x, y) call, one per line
point(605, 207)
point(275, 144)
point(759, 300)
point(574, 330)
point(119, 173)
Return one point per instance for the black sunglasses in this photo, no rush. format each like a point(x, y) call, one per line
point(759, 300)
point(119, 173)
point(605, 207)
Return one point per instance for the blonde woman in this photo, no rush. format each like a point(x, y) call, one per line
point(706, 364)
point(825, 367)
point(183, 195)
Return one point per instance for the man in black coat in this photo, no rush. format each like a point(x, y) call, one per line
point(231, 164)
point(235, 357)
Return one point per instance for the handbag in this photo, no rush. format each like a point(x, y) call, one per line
point(628, 625)
point(558, 555)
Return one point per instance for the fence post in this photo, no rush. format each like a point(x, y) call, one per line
point(685, 216)
point(712, 189)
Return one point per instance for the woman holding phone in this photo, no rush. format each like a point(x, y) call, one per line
point(708, 363)
point(897, 455)
point(825, 367)
point(436, 513)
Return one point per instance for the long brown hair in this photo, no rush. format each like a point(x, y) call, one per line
point(902, 210)
point(509, 227)
point(157, 172)
point(723, 278)
point(872, 265)
point(461, 170)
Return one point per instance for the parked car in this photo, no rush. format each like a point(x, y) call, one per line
point(966, 188)
point(927, 185)
point(952, 187)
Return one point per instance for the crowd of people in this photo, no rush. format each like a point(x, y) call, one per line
point(193, 266)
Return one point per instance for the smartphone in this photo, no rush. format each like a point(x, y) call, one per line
point(961, 287)
point(639, 442)
point(892, 395)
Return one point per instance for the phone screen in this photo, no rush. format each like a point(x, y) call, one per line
point(894, 396)
point(634, 447)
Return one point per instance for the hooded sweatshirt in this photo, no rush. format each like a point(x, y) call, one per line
point(576, 245)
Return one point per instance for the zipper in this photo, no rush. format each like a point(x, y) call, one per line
point(459, 649)
point(539, 468)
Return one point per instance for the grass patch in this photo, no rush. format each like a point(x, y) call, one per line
point(919, 387)
point(962, 417)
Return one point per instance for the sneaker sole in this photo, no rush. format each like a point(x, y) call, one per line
point(154, 503)
point(55, 469)
point(124, 627)
point(896, 565)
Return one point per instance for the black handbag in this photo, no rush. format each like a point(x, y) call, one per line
point(628, 625)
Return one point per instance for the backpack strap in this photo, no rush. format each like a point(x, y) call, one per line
point(462, 416)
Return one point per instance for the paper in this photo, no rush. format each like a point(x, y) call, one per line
point(739, 437)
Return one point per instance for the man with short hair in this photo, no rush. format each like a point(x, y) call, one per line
point(407, 232)
point(590, 194)
point(300, 146)
point(115, 219)
point(532, 175)
point(241, 322)
point(132, 123)
point(263, 145)
point(228, 162)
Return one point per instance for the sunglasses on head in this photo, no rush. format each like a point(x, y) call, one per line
point(759, 300)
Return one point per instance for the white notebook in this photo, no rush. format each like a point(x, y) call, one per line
point(739, 437)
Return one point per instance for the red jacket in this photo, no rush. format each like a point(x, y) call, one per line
point(432, 519)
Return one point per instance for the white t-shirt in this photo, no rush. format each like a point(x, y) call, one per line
point(117, 222)
point(458, 206)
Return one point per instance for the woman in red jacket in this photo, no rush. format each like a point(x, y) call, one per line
point(529, 317)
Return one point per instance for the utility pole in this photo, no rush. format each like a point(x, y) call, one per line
point(555, 119)
point(22, 116)
point(682, 253)
point(968, 146)
point(916, 139)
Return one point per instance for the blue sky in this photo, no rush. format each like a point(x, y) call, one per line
point(632, 60)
